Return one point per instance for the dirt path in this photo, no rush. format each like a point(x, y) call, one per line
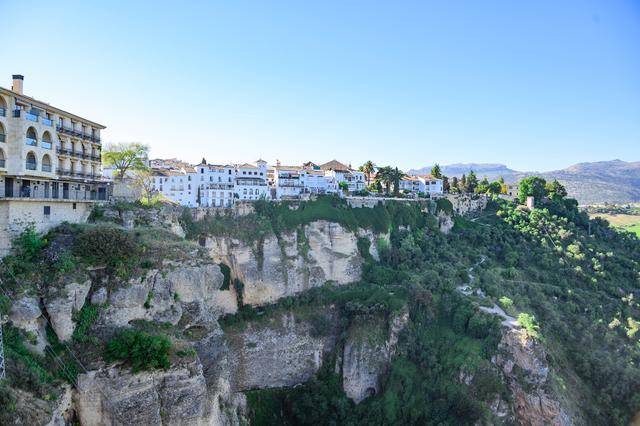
point(468, 290)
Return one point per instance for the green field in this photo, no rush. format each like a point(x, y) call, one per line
point(633, 228)
point(628, 222)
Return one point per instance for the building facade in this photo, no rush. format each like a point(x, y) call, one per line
point(50, 161)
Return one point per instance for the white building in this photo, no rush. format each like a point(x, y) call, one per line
point(432, 185)
point(288, 182)
point(178, 186)
point(342, 173)
point(216, 185)
point(251, 181)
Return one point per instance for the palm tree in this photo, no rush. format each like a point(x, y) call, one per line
point(368, 168)
point(385, 177)
point(396, 177)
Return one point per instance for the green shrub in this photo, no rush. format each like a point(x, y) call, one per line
point(85, 318)
point(29, 244)
point(106, 245)
point(528, 322)
point(142, 350)
point(226, 273)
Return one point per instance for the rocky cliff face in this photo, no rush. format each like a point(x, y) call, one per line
point(523, 362)
point(285, 265)
point(368, 349)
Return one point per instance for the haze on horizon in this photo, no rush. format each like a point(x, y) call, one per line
point(533, 85)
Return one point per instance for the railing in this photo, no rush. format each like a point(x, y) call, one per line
point(65, 151)
point(31, 166)
point(63, 172)
point(31, 142)
point(3, 163)
point(46, 144)
point(31, 117)
point(47, 121)
point(3, 137)
point(46, 167)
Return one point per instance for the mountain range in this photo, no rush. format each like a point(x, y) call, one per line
point(614, 181)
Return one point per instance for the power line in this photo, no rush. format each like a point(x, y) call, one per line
point(56, 357)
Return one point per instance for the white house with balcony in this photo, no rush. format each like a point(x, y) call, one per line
point(50, 162)
point(251, 181)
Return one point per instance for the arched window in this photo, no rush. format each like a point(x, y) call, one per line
point(46, 163)
point(46, 140)
point(3, 107)
point(3, 136)
point(31, 161)
point(2, 159)
point(32, 137)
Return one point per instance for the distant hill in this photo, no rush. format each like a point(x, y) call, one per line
point(613, 181)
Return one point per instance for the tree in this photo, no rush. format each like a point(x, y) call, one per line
point(472, 182)
point(532, 186)
point(397, 176)
point(436, 172)
point(445, 184)
point(556, 190)
point(483, 186)
point(368, 168)
point(462, 185)
point(494, 188)
point(142, 180)
point(125, 157)
point(385, 177)
point(454, 184)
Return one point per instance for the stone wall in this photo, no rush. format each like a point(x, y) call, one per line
point(16, 214)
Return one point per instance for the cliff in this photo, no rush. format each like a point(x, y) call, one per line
point(268, 313)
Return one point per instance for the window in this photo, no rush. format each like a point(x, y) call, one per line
point(74, 206)
point(31, 161)
point(47, 210)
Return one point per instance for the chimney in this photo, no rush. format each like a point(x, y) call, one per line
point(17, 83)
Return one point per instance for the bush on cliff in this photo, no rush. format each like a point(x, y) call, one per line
point(142, 350)
point(106, 245)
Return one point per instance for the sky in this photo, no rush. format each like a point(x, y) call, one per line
point(537, 85)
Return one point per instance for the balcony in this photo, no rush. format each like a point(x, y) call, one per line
point(46, 144)
point(64, 151)
point(46, 168)
point(47, 121)
point(3, 163)
point(31, 117)
point(3, 137)
point(31, 142)
point(32, 166)
point(3, 112)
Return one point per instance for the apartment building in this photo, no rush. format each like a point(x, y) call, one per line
point(50, 160)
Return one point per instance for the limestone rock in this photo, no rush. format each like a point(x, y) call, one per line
point(61, 307)
point(99, 297)
point(26, 315)
point(520, 356)
point(293, 262)
point(368, 350)
point(285, 352)
point(116, 396)
point(161, 295)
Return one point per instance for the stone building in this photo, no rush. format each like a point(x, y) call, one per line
point(50, 164)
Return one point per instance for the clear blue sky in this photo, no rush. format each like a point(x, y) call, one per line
point(537, 85)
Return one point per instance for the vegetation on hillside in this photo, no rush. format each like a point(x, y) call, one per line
point(572, 283)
